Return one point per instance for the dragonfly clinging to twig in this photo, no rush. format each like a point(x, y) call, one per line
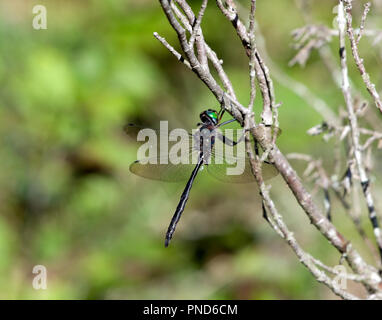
point(204, 149)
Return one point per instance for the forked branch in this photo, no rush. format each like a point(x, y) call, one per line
point(189, 29)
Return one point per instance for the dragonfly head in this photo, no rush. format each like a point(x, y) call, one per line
point(209, 116)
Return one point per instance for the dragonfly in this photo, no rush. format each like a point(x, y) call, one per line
point(202, 146)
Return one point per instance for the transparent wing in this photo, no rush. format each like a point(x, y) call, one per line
point(227, 163)
point(172, 164)
point(224, 172)
point(231, 164)
point(233, 174)
point(156, 169)
point(236, 169)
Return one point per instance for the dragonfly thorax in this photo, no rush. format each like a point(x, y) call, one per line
point(204, 140)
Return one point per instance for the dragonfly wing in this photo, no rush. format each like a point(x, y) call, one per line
point(156, 169)
point(230, 163)
point(237, 170)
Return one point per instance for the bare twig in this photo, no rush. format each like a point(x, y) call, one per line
point(262, 72)
point(363, 21)
point(252, 72)
point(278, 224)
point(321, 179)
point(198, 21)
point(265, 138)
point(172, 50)
point(358, 61)
point(212, 56)
point(365, 182)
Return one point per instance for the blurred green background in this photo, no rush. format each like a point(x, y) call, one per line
point(67, 199)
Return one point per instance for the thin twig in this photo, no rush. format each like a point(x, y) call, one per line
point(252, 72)
point(265, 139)
point(357, 59)
point(365, 182)
point(363, 21)
point(172, 50)
point(262, 72)
point(198, 21)
point(286, 234)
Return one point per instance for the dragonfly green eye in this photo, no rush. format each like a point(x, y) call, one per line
point(209, 116)
point(212, 114)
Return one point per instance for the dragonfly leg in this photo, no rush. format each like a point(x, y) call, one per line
point(221, 113)
point(228, 141)
point(225, 122)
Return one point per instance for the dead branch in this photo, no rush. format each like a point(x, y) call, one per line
point(183, 20)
